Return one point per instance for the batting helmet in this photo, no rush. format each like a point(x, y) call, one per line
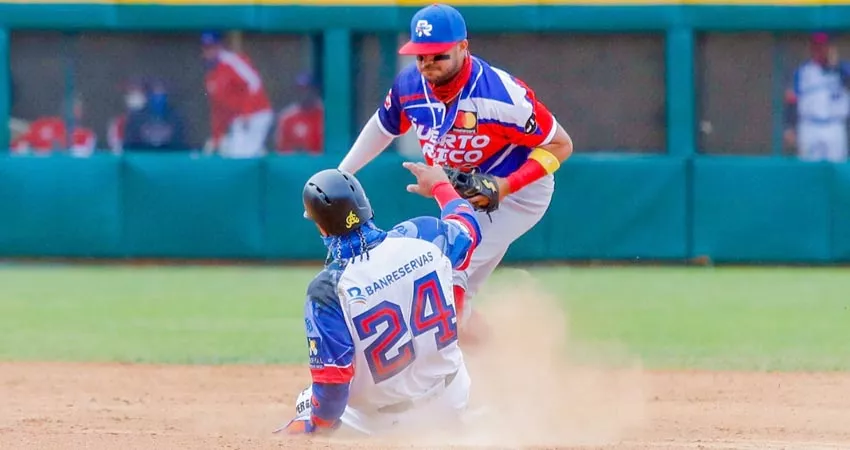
point(335, 200)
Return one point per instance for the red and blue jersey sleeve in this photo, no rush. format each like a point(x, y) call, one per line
point(540, 126)
point(331, 350)
point(330, 345)
point(391, 116)
point(457, 232)
point(459, 217)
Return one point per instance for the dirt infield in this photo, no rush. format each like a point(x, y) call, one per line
point(103, 406)
point(537, 393)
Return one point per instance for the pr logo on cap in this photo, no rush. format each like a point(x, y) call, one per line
point(423, 28)
point(434, 30)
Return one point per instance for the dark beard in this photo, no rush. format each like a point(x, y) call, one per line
point(450, 76)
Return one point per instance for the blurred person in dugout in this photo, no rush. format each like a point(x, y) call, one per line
point(301, 125)
point(818, 104)
point(240, 112)
point(50, 134)
point(156, 126)
point(135, 99)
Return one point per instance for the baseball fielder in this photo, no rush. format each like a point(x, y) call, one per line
point(467, 113)
point(381, 317)
point(818, 104)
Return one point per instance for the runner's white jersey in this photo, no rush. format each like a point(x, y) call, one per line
point(401, 313)
point(384, 324)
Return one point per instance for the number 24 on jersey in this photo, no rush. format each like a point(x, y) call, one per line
point(427, 292)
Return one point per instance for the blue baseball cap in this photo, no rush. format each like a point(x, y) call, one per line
point(211, 38)
point(433, 30)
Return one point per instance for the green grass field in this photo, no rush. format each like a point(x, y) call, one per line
point(710, 318)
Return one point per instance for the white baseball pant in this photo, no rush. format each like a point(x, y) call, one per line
point(517, 214)
point(825, 141)
point(247, 136)
point(444, 407)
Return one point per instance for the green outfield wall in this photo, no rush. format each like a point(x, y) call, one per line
point(662, 207)
point(608, 208)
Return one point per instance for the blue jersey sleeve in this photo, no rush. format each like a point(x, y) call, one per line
point(391, 115)
point(457, 232)
point(330, 347)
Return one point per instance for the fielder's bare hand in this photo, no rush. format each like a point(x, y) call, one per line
point(426, 178)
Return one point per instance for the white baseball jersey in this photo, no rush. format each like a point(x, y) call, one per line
point(823, 105)
point(385, 325)
point(821, 95)
point(403, 322)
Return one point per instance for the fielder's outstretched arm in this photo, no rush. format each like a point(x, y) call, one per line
point(457, 231)
point(463, 233)
point(388, 123)
point(369, 144)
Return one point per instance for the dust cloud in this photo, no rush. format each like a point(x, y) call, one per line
point(535, 386)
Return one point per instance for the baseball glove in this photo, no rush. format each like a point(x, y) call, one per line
point(469, 184)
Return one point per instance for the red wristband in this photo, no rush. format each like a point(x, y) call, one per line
point(444, 192)
point(319, 422)
point(529, 172)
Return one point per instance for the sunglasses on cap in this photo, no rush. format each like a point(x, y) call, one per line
point(443, 57)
